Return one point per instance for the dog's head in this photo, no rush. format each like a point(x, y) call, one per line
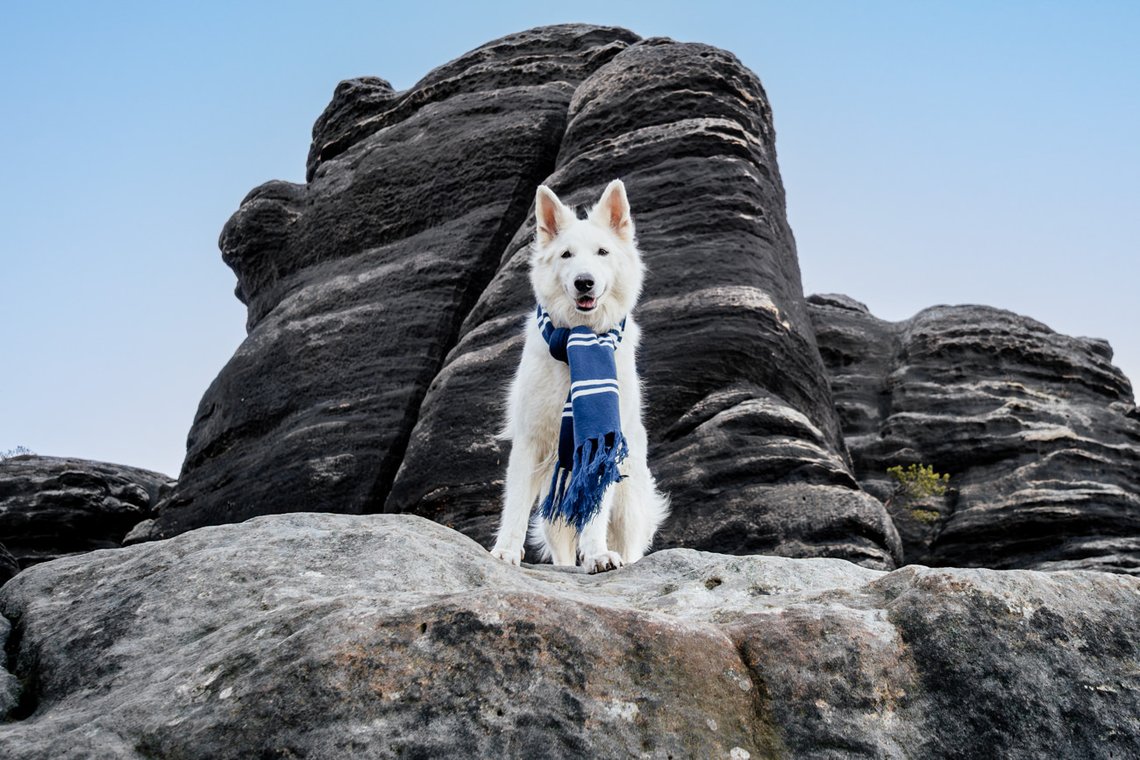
point(586, 272)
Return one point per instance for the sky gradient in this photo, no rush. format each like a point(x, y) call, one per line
point(932, 153)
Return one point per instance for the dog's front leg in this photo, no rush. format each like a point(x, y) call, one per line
point(596, 557)
point(523, 483)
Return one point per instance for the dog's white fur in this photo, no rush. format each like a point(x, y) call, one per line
point(601, 248)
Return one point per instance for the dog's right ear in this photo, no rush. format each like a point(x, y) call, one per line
point(551, 216)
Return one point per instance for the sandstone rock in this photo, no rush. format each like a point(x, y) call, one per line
point(329, 636)
point(52, 506)
point(357, 282)
point(386, 296)
point(565, 53)
point(1037, 430)
point(142, 532)
point(743, 435)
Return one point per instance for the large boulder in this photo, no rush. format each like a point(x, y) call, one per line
point(52, 506)
point(1038, 431)
point(332, 636)
point(386, 298)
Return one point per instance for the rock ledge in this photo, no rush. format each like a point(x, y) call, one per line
point(323, 636)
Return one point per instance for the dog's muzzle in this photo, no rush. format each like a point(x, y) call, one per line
point(585, 301)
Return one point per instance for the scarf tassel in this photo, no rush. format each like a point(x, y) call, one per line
point(576, 495)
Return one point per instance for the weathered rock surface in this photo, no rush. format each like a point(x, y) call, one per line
point(743, 435)
point(52, 506)
point(1038, 431)
point(386, 296)
point(357, 281)
point(331, 636)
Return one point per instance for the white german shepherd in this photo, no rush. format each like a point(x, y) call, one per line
point(585, 272)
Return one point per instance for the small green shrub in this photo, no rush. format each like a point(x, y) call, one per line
point(19, 451)
point(928, 516)
point(918, 481)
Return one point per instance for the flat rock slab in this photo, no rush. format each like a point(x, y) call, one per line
point(332, 636)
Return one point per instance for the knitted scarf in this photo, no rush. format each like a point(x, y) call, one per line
point(590, 443)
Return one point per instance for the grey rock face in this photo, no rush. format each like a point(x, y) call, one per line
point(52, 506)
point(329, 636)
point(386, 298)
point(1037, 430)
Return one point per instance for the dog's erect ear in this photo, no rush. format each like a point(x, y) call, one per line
point(550, 214)
point(613, 210)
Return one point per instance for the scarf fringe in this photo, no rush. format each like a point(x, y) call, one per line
point(575, 495)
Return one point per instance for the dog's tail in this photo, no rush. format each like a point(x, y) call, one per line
point(538, 538)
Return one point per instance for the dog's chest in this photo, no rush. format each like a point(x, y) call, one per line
point(550, 389)
point(542, 385)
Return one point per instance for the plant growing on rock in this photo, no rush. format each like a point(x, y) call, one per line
point(916, 482)
point(19, 451)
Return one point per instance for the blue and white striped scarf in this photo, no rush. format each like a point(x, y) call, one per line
point(590, 443)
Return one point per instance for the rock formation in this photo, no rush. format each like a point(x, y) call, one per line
point(52, 506)
point(385, 299)
point(1037, 430)
point(331, 636)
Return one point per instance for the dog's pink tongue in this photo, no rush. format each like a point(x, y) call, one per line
point(586, 302)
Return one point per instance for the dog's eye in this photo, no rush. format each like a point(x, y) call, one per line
point(603, 252)
point(566, 254)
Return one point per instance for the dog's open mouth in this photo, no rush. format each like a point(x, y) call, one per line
point(586, 303)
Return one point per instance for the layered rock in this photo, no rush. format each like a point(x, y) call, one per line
point(386, 298)
point(381, 636)
point(357, 281)
point(53, 506)
point(1038, 431)
point(743, 435)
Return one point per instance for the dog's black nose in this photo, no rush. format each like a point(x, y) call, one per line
point(584, 284)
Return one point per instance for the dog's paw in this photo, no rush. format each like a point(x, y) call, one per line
point(600, 563)
point(508, 555)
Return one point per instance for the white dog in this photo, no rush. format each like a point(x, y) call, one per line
point(585, 273)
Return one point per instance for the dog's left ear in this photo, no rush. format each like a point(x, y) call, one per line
point(613, 210)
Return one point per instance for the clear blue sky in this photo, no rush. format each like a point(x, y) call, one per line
point(933, 152)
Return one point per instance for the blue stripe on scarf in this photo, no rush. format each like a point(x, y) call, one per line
point(590, 442)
